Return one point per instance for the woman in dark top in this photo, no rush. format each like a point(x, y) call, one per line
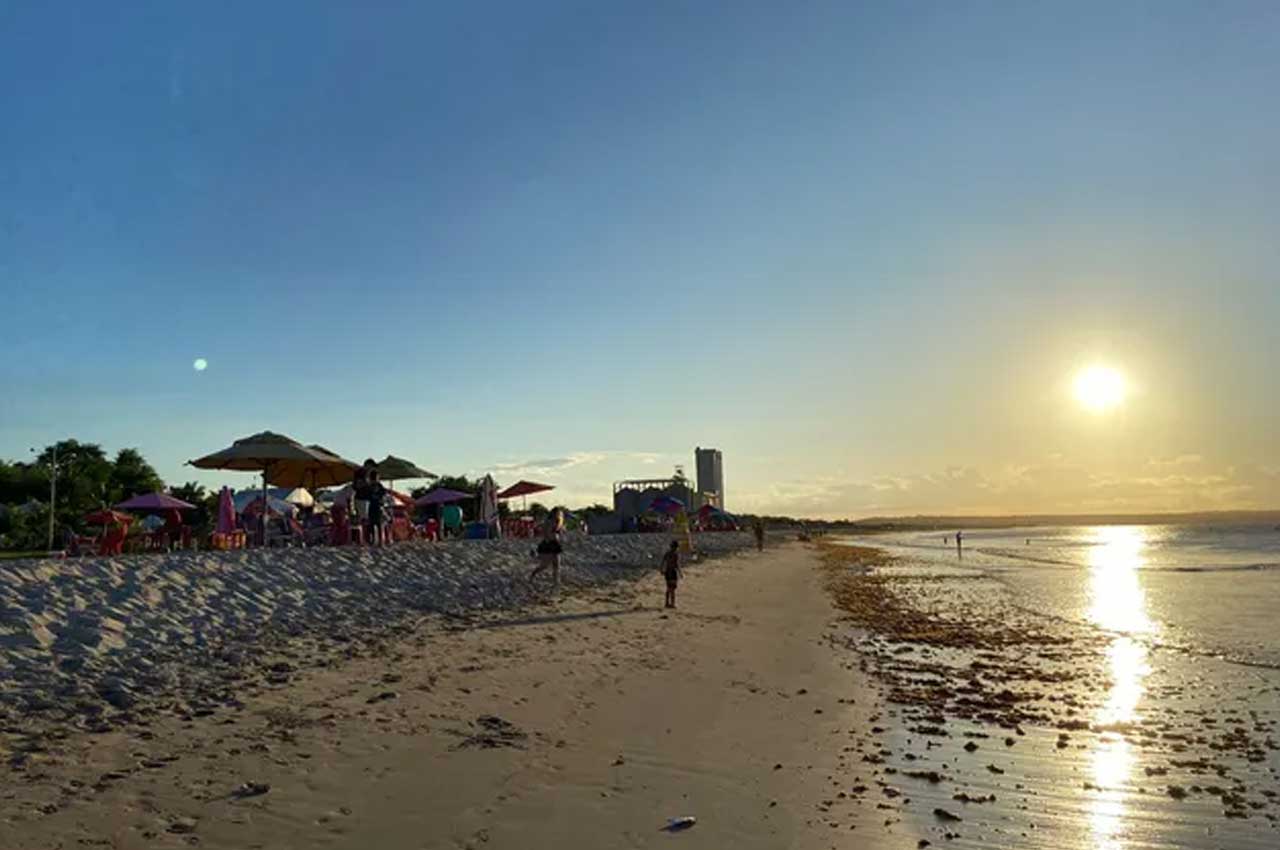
point(549, 549)
point(360, 496)
point(377, 497)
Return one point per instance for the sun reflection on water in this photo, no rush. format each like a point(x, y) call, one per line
point(1118, 604)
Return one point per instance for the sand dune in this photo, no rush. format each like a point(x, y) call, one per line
point(86, 639)
point(586, 720)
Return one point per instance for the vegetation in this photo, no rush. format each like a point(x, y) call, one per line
point(87, 479)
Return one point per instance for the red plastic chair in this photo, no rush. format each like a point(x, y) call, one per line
point(112, 542)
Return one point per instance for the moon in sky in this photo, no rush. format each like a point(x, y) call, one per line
point(1100, 388)
point(200, 364)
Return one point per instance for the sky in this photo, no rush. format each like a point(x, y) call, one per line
point(862, 248)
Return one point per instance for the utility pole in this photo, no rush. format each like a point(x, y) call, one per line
point(53, 491)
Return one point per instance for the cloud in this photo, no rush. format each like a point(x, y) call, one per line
point(1056, 485)
point(549, 465)
point(1179, 460)
point(553, 466)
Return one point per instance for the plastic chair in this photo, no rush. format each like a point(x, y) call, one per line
point(112, 542)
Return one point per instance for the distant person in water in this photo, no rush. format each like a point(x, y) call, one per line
point(959, 542)
point(671, 572)
point(758, 528)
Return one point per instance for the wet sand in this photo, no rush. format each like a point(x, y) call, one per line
point(583, 722)
point(1008, 728)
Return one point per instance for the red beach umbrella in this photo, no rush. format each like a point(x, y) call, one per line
point(524, 489)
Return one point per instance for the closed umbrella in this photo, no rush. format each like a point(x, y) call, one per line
point(489, 505)
point(226, 512)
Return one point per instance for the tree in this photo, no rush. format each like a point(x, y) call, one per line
point(86, 480)
point(201, 519)
point(457, 482)
point(131, 475)
point(84, 477)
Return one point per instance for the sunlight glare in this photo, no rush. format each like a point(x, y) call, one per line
point(1099, 388)
point(1118, 605)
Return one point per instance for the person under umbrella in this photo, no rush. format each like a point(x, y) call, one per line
point(271, 454)
point(376, 498)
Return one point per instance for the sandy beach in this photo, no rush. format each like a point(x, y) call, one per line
point(584, 721)
point(812, 696)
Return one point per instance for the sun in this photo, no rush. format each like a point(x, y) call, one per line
point(1099, 388)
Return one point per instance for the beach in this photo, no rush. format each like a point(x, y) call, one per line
point(835, 694)
point(587, 720)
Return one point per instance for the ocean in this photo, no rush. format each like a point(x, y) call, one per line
point(1137, 666)
point(1212, 590)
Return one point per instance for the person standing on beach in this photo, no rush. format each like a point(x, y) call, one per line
point(758, 528)
point(360, 496)
point(671, 572)
point(549, 549)
point(376, 500)
point(960, 543)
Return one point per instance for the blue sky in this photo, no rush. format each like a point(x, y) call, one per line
point(860, 247)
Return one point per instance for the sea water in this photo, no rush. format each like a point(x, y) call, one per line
point(1208, 589)
point(1171, 724)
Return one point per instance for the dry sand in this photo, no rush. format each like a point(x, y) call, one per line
point(582, 722)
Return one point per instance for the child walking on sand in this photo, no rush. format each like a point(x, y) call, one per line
point(671, 572)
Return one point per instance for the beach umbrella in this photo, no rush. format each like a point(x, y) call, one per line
point(524, 489)
point(270, 454)
point(392, 468)
point(299, 496)
point(443, 496)
point(226, 512)
point(250, 503)
point(346, 494)
point(154, 502)
point(666, 505)
point(488, 496)
point(106, 516)
point(326, 469)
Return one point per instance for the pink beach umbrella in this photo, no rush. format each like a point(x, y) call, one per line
point(155, 502)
